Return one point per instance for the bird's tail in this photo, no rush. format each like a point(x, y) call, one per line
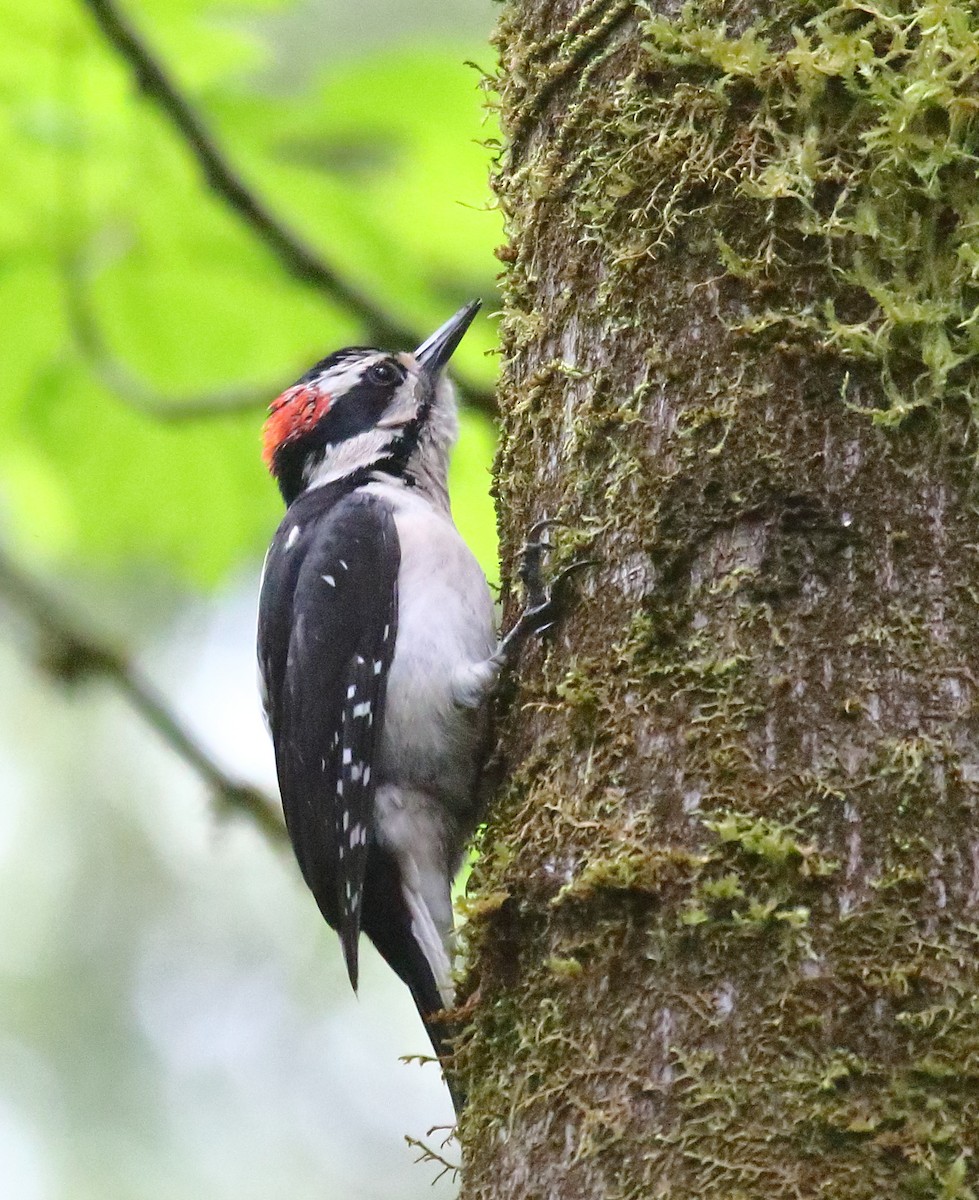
point(399, 923)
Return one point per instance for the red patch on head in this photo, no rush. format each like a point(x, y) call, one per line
point(295, 413)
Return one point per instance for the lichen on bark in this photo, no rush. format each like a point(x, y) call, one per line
point(723, 934)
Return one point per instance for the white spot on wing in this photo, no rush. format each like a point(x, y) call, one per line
point(347, 756)
point(294, 533)
point(363, 709)
point(329, 579)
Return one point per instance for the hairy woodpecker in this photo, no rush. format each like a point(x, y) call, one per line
point(378, 654)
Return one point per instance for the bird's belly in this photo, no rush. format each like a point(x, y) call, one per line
point(445, 621)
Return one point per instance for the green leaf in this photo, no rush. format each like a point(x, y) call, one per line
point(106, 221)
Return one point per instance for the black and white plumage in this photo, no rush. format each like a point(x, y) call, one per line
point(329, 623)
point(377, 652)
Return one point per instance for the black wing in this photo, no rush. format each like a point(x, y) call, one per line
point(327, 628)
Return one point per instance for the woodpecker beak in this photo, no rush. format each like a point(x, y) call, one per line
point(435, 351)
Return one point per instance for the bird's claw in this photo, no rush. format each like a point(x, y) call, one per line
point(545, 603)
point(531, 556)
point(553, 599)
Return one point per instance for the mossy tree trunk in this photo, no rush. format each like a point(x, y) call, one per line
point(724, 926)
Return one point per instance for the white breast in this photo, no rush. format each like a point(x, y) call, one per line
point(445, 621)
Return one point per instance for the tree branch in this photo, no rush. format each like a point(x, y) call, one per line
point(71, 654)
point(125, 383)
point(298, 259)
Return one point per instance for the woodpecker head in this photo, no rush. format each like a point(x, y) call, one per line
point(364, 409)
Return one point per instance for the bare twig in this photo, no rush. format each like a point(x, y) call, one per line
point(299, 259)
point(427, 1154)
point(72, 654)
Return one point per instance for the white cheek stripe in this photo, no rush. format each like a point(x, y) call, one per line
point(364, 449)
point(346, 457)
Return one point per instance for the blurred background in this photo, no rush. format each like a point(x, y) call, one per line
point(174, 1016)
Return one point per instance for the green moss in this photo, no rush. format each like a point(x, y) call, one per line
point(473, 907)
point(740, 770)
point(565, 968)
point(645, 872)
point(759, 877)
point(901, 1128)
point(841, 148)
point(861, 140)
point(778, 845)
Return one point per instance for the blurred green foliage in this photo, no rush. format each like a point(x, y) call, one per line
point(176, 1020)
point(105, 222)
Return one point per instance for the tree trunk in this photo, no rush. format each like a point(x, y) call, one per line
point(723, 929)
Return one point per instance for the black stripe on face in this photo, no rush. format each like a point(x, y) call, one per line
point(352, 412)
point(355, 412)
point(362, 406)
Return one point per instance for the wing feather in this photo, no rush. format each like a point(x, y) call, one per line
point(325, 671)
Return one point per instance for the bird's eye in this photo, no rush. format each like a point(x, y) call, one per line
point(383, 372)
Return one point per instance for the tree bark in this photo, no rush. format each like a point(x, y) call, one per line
point(722, 931)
